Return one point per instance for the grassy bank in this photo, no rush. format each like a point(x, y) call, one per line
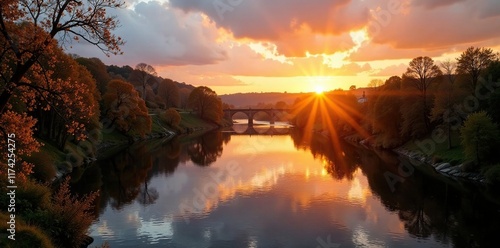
point(51, 162)
point(437, 150)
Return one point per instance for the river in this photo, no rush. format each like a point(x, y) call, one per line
point(284, 189)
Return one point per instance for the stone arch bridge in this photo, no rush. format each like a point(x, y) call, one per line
point(228, 113)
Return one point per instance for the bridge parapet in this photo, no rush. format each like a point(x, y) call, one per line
point(228, 113)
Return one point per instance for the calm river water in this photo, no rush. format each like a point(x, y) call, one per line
point(232, 189)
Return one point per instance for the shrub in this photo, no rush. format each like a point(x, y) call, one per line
point(26, 235)
point(470, 166)
point(171, 118)
point(151, 105)
point(68, 218)
point(436, 159)
point(44, 169)
point(32, 196)
point(479, 137)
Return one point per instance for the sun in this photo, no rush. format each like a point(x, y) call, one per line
point(319, 89)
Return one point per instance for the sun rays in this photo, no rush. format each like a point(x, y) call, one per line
point(330, 114)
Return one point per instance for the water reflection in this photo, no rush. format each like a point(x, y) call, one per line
point(340, 162)
point(207, 148)
point(219, 190)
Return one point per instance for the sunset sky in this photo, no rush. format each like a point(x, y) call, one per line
point(295, 45)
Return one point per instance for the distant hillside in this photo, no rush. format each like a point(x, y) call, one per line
point(252, 99)
point(125, 71)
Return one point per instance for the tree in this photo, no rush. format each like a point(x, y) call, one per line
point(480, 137)
point(28, 29)
point(206, 103)
point(447, 98)
point(72, 106)
point(168, 93)
point(206, 149)
point(280, 105)
point(126, 109)
point(171, 117)
point(421, 72)
point(494, 109)
point(473, 61)
point(184, 97)
point(375, 83)
point(143, 75)
point(23, 127)
point(387, 116)
point(98, 70)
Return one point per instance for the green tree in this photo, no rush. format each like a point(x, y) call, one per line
point(421, 73)
point(206, 103)
point(494, 109)
point(480, 137)
point(447, 98)
point(472, 62)
point(126, 109)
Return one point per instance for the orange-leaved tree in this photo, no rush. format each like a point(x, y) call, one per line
point(28, 53)
point(126, 109)
point(206, 102)
point(28, 29)
point(63, 97)
point(168, 93)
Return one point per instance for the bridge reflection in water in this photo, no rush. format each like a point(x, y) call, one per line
point(245, 129)
point(229, 113)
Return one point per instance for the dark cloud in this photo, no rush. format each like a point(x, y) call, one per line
point(431, 4)
point(439, 28)
point(157, 34)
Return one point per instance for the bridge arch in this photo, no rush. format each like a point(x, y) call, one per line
point(229, 113)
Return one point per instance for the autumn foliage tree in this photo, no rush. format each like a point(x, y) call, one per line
point(28, 55)
point(168, 93)
point(206, 103)
point(171, 117)
point(28, 29)
point(143, 76)
point(98, 70)
point(126, 109)
point(68, 105)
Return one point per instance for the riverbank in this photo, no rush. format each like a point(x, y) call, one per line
point(452, 166)
point(52, 163)
point(189, 123)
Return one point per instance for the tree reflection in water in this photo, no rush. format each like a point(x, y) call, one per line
point(339, 162)
point(207, 148)
point(451, 211)
point(124, 177)
point(428, 206)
